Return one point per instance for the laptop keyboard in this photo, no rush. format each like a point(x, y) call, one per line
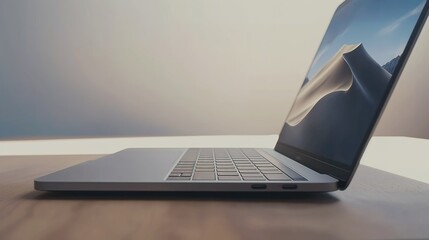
point(229, 165)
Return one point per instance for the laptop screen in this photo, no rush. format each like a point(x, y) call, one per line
point(349, 78)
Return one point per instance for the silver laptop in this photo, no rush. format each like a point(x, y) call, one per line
point(324, 135)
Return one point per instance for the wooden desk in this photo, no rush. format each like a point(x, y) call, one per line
point(377, 205)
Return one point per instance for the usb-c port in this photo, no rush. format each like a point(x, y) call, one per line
point(259, 186)
point(290, 186)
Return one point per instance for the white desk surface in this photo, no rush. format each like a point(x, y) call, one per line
point(404, 156)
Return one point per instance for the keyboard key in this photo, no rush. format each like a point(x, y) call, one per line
point(264, 164)
point(244, 164)
point(259, 161)
point(254, 178)
point(204, 170)
point(248, 171)
point(227, 173)
point(183, 171)
point(251, 175)
point(230, 178)
point(246, 168)
point(225, 166)
point(271, 171)
point(267, 168)
point(242, 161)
point(277, 177)
point(183, 168)
point(205, 166)
point(179, 178)
point(224, 161)
point(175, 174)
point(226, 170)
point(204, 176)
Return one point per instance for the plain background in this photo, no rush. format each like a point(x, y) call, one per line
point(95, 68)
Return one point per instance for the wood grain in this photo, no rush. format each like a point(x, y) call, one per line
point(376, 205)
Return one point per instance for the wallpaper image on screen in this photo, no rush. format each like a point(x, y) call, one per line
point(349, 76)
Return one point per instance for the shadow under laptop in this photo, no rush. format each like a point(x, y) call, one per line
point(322, 198)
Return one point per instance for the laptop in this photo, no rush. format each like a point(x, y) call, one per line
point(347, 86)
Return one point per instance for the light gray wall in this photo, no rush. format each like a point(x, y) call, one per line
point(75, 68)
point(407, 113)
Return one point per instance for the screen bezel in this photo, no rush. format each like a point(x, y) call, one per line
point(342, 172)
